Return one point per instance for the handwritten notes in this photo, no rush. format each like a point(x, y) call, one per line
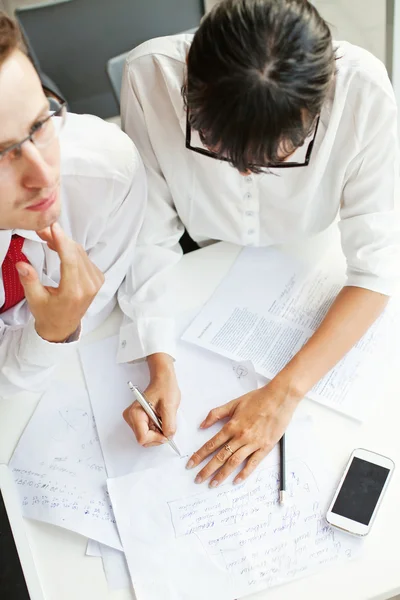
point(231, 540)
point(292, 542)
point(205, 380)
point(59, 468)
point(260, 543)
point(233, 505)
point(285, 557)
point(267, 308)
point(292, 518)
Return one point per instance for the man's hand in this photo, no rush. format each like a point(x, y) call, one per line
point(58, 311)
point(164, 395)
point(256, 423)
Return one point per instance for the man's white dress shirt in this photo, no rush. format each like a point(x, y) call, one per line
point(353, 174)
point(103, 201)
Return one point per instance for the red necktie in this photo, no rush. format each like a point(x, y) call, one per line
point(13, 290)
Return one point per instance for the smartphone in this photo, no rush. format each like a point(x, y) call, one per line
point(360, 492)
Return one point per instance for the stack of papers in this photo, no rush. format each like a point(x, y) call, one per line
point(79, 466)
point(231, 541)
point(114, 565)
point(205, 380)
point(267, 308)
point(59, 467)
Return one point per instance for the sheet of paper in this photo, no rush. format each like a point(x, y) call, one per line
point(205, 379)
point(93, 549)
point(59, 469)
point(114, 564)
point(269, 305)
point(115, 569)
point(287, 557)
point(192, 533)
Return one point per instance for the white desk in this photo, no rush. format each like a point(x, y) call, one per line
point(67, 574)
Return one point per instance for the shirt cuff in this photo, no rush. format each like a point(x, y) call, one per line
point(387, 287)
point(36, 350)
point(146, 336)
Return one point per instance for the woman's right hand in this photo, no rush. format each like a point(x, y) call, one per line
point(164, 395)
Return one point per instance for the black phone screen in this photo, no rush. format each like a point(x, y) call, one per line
point(12, 580)
point(360, 491)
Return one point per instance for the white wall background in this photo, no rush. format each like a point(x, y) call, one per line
point(9, 5)
point(361, 22)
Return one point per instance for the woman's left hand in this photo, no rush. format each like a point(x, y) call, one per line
point(256, 423)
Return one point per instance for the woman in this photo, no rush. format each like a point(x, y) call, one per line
point(257, 131)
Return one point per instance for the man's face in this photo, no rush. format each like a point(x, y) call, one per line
point(29, 182)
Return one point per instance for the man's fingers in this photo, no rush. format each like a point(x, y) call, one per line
point(34, 291)
point(252, 463)
point(77, 270)
point(58, 244)
point(59, 236)
point(216, 414)
point(47, 236)
point(69, 258)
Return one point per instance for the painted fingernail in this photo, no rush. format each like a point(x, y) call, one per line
point(214, 484)
point(237, 480)
point(198, 479)
point(190, 464)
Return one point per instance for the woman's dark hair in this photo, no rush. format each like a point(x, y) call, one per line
point(258, 74)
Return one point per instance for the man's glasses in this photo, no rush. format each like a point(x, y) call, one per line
point(42, 133)
point(281, 165)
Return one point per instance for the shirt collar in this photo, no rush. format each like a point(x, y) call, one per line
point(29, 235)
point(5, 238)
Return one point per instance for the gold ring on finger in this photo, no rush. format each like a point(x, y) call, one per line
point(228, 448)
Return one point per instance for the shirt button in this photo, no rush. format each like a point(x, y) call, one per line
point(251, 231)
point(247, 196)
point(123, 344)
point(249, 213)
point(249, 179)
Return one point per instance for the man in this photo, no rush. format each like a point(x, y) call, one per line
point(259, 130)
point(72, 197)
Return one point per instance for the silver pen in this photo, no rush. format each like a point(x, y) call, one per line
point(148, 409)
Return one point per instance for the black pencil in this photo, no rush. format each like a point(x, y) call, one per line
point(282, 460)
